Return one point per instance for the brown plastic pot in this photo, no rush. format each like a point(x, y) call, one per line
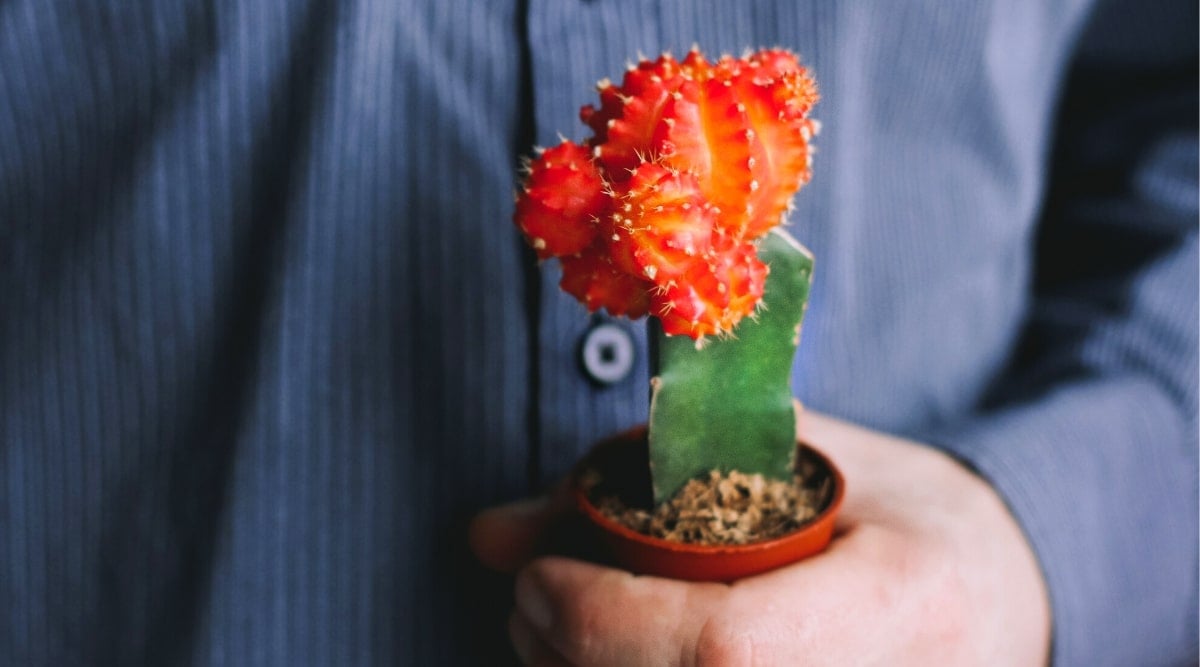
point(643, 554)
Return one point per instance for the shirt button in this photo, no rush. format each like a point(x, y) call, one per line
point(607, 353)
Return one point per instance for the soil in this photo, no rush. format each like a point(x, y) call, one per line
point(726, 509)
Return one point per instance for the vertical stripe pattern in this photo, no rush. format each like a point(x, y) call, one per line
point(266, 339)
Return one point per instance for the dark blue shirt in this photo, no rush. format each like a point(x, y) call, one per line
point(268, 336)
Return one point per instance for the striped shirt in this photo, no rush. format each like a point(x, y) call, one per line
point(268, 337)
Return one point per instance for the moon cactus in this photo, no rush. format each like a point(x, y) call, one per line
point(668, 210)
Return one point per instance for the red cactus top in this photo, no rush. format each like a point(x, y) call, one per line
point(689, 163)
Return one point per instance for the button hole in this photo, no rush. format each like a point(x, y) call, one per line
point(608, 354)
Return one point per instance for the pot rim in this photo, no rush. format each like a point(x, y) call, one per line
point(831, 508)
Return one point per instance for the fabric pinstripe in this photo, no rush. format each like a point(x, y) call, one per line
point(268, 339)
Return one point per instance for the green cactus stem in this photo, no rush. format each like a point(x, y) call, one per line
point(727, 405)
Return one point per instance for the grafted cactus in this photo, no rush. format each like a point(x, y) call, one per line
point(665, 211)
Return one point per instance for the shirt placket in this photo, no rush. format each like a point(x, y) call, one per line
point(592, 374)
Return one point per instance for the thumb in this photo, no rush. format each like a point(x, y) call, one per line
point(506, 537)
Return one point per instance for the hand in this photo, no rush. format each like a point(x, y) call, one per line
point(927, 568)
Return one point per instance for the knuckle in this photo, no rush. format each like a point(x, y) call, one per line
point(582, 629)
point(955, 604)
point(948, 602)
point(723, 643)
point(586, 617)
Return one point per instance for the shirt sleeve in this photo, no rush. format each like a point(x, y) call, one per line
point(1091, 434)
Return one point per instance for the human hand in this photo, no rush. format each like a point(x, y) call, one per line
point(927, 567)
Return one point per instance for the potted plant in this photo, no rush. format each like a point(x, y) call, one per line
point(672, 209)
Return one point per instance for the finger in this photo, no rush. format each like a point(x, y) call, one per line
point(879, 468)
point(530, 649)
point(593, 615)
point(857, 449)
point(834, 440)
point(506, 537)
point(831, 435)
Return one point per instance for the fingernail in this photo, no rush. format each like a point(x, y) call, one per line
point(532, 603)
